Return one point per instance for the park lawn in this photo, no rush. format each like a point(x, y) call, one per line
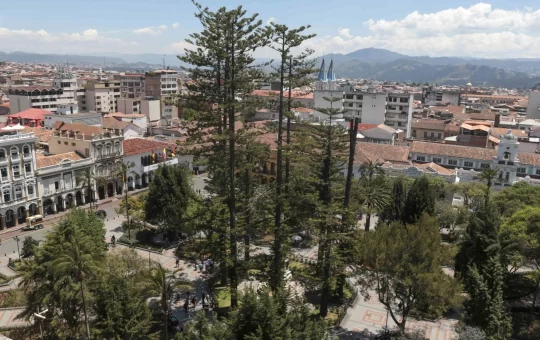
point(223, 297)
point(12, 298)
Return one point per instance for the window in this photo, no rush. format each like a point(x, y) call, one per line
point(521, 170)
point(452, 162)
point(56, 185)
point(421, 158)
point(425, 134)
point(7, 195)
point(359, 97)
point(9, 215)
point(18, 193)
point(485, 166)
point(73, 144)
point(59, 142)
point(14, 152)
point(27, 168)
point(30, 190)
point(538, 171)
point(66, 143)
point(26, 151)
point(87, 152)
point(439, 135)
point(436, 160)
point(4, 173)
point(16, 171)
point(468, 164)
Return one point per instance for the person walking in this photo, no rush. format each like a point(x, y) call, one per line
point(203, 296)
point(177, 263)
point(186, 305)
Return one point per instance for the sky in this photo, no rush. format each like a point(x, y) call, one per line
point(494, 29)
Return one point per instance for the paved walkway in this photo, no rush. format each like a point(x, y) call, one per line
point(8, 316)
point(369, 316)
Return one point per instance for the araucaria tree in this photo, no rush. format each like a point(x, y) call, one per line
point(283, 39)
point(224, 77)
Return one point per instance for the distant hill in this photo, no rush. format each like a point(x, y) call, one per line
point(372, 63)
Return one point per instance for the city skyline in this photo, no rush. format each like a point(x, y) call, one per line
point(498, 29)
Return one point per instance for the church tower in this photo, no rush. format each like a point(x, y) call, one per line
point(322, 81)
point(507, 158)
point(331, 76)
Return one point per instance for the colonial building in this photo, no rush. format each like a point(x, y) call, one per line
point(59, 182)
point(19, 197)
point(103, 147)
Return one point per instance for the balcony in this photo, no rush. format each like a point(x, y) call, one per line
point(27, 155)
point(108, 155)
point(170, 161)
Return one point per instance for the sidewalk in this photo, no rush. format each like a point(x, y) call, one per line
point(8, 315)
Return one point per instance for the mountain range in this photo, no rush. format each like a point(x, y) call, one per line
point(368, 63)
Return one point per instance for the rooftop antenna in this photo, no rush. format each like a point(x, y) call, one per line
point(164, 61)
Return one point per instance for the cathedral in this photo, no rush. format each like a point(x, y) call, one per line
point(326, 80)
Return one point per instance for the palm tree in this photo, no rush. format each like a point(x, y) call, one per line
point(87, 179)
point(79, 261)
point(373, 195)
point(122, 173)
point(371, 169)
point(489, 175)
point(158, 283)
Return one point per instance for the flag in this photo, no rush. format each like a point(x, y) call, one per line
point(153, 158)
point(164, 153)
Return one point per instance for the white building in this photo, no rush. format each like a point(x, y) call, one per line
point(147, 155)
point(19, 198)
point(132, 85)
point(58, 183)
point(86, 118)
point(533, 107)
point(370, 107)
point(101, 96)
point(151, 108)
point(163, 85)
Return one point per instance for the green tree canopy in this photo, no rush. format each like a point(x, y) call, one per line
point(168, 198)
point(404, 267)
point(517, 196)
point(420, 199)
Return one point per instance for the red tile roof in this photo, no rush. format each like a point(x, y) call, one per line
point(45, 161)
point(271, 93)
point(136, 146)
point(457, 151)
point(381, 153)
point(30, 114)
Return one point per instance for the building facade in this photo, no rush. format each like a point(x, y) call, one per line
point(88, 118)
point(101, 96)
point(163, 85)
point(19, 198)
point(132, 85)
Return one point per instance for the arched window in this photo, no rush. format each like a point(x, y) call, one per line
point(98, 148)
point(2, 154)
point(117, 147)
point(18, 192)
point(30, 189)
point(108, 149)
point(26, 151)
point(507, 155)
point(7, 195)
point(9, 216)
point(14, 152)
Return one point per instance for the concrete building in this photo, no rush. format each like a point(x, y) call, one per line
point(19, 198)
point(139, 120)
point(86, 118)
point(58, 181)
point(30, 118)
point(126, 128)
point(149, 107)
point(438, 96)
point(132, 85)
point(101, 96)
point(533, 107)
point(490, 99)
point(163, 85)
point(103, 147)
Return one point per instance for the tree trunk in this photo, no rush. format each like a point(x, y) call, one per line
point(288, 133)
point(277, 275)
point(127, 210)
point(368, 221)
point(247, 217)
point(232, 189)
point(325, 292)
point(84, 310)
point(534, 300)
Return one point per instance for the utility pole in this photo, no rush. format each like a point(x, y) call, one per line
point(16, 238)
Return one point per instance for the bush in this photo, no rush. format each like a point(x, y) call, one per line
point(28, 246)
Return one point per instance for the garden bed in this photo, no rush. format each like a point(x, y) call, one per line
point(142, 239)
point(12, 298)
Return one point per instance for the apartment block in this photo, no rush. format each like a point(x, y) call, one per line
point(101, 96)
point(132, 85)
point(163, 85)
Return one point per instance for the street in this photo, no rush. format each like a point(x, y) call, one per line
point(112, 223)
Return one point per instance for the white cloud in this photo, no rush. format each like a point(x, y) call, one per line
point(179, 47)
point(479, 30)
point(271, 19)
point(42, 41)
point(175, 25)
point(151, 30)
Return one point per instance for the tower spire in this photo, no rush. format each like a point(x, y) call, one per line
point(331, 75)
point(322, 72)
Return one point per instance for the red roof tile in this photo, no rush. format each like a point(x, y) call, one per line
point(30, 114)
point(135, 146)
point(45, 161)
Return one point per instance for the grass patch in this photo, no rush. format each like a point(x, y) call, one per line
point(12, 298)
point(223, 297)
point(4, 279)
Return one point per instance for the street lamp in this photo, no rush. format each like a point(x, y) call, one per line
point(41, 317)
point(16, 238)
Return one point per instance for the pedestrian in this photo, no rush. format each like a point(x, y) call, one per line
point(186, 306)
point(203, 296)
point(201, 266)
point(177, 263)
point(193, 301)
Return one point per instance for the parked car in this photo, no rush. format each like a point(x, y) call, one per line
point(101, 214)
point(33, 227)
